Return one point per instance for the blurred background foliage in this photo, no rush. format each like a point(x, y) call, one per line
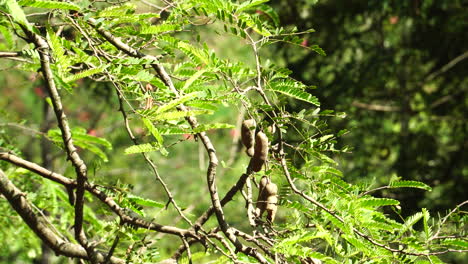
point(396, 68)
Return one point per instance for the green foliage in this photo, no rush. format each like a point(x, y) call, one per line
point(410, 184)
point(143, 148)
point(49, 4)
point(83, 140)
point(291, 89)
point(168, 76)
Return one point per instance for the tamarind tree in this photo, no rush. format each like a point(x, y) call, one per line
point(146, 140)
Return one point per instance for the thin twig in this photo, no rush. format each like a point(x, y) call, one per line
point(187, 248)
point(9, 54)
point(112, 249)
point(436, 234)
point(447, 66)
point(376, 107)
point(147, 159)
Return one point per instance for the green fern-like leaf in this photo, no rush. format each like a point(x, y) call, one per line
point(92, 139)
point(291, 247)
point(13, 8)
point(325, 170)
point(177, 102)
point(345, 227)
point(175, 115)
point(195, 54)
point(174, 131)
point(197, 257)
point(411, 220)
point(377, 202)
point(158, 83)
point(205, 127)
point(249, 4)
point(8, 36)
point(84, 74)
point(31, 53)
point(157, 29)
point(297, 93)
point(93, 148)
point(142, 76)
point(410, 184)
point(322, 157)
point(381, 218)
point(144, 201)
point(427, 228)
point(358, 244)
point(153, 130)
point(192, 78)
point(296, 205)
point(63, 62)
point(341, 184)
point(49, 4)
point(460, 243)
point(118, 10)
point(83, 140)
point(202, 105)
point(143, 148)
point(435, 260)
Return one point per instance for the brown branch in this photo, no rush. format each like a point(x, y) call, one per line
point(79, 165)
point(93, 189)
point(252, 239)
point(250, 207)
point(376, 107)
point(224, 242)
point(187, 248)
point(447, 66)
point(9, 54)
point(39, 225)
point(209, 212)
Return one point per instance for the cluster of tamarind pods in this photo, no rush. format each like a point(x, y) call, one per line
point(257, 147)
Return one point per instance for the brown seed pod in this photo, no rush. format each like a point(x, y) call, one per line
point(271, 188)
point(267, 199)
point(271, 204)
point(261, 152)
point(262, 196)
point(247, 134)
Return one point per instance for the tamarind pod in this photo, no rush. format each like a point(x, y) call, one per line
point(271, 207)
point(262, 197)
point(248, 136)
point(263, 182)
point(260, 153)
point(271, 190)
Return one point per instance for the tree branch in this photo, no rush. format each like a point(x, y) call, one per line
point(93, 189)
point(447, 66)
point(376, 107)
point(78, 163)
point(9, 54)
point(39, 224)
